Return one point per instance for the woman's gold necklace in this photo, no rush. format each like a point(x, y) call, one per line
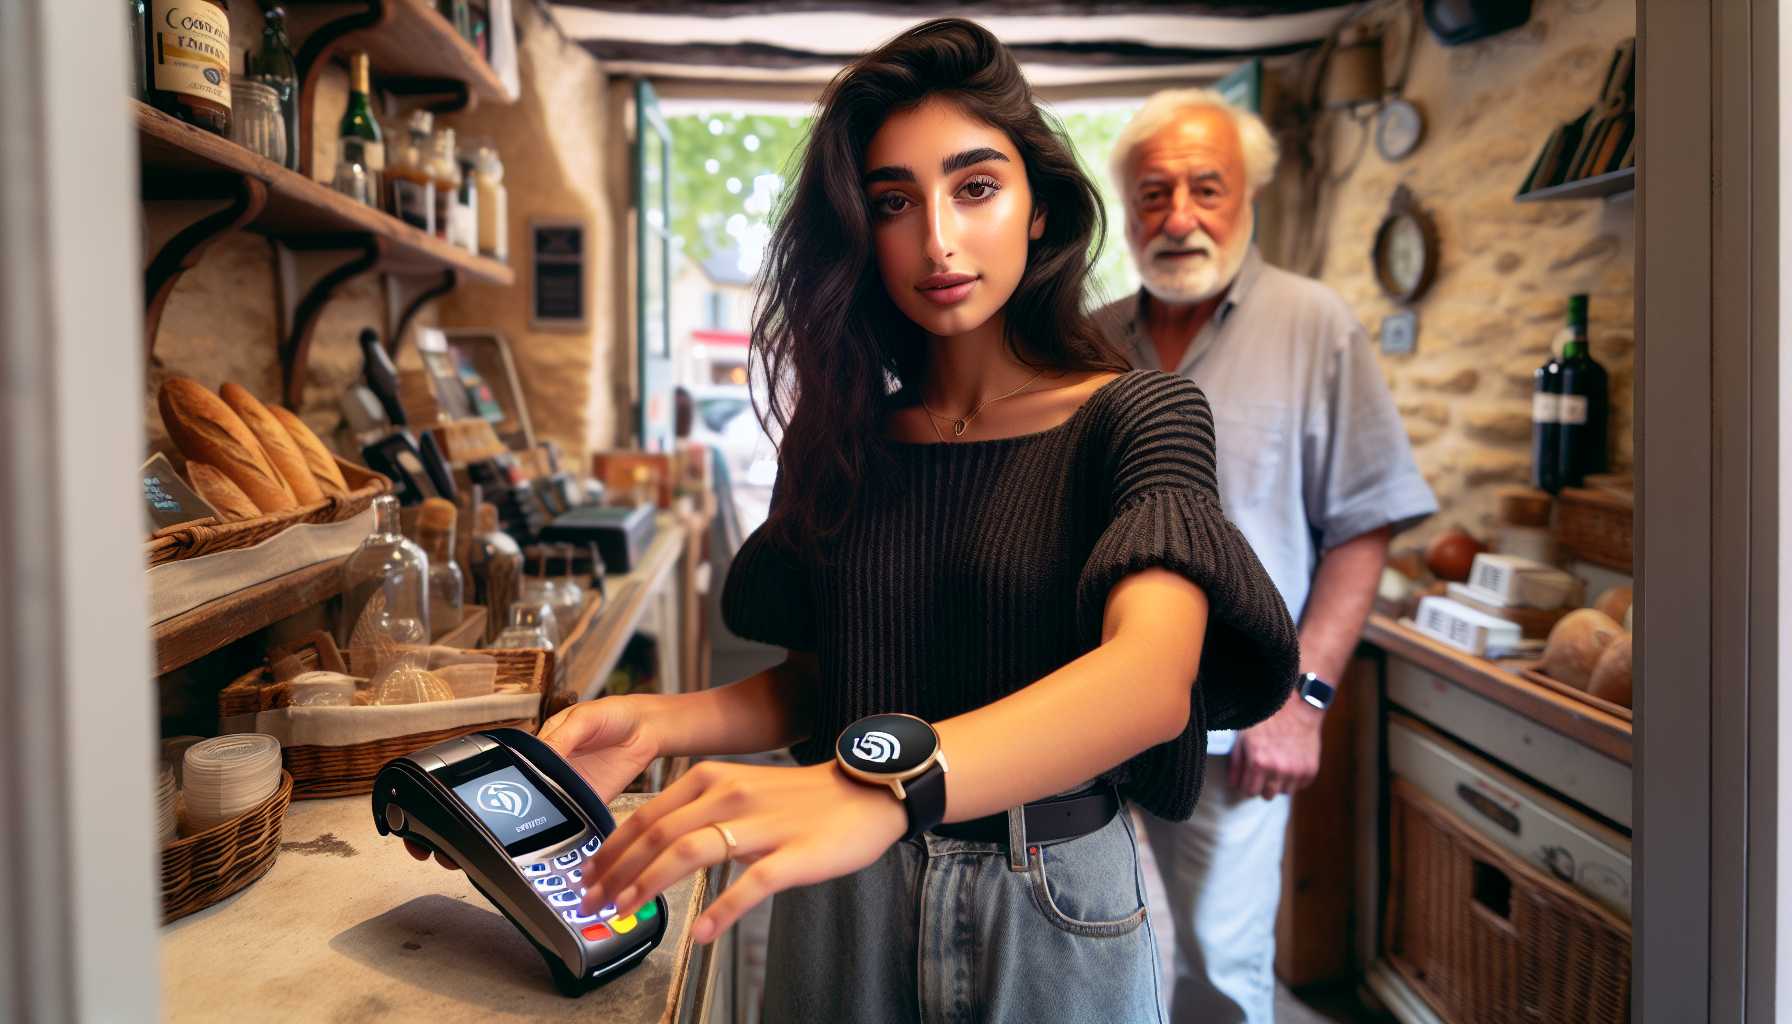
point(962, 423)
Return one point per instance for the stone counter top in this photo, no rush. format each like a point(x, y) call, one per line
point(347, 927)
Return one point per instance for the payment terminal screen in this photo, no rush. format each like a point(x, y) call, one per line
point(509, 805)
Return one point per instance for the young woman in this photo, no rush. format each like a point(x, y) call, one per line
point(979, 522)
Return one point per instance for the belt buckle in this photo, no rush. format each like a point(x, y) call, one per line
point(1017, 838)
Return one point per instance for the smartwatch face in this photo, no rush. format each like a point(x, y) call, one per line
point(887, 744)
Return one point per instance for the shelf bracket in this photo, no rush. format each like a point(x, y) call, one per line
point(456, 95)
point(184, 251)
point(295, 350)
point(449, 280)
point(315, 53)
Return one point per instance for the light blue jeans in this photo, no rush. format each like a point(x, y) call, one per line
point(943, 931)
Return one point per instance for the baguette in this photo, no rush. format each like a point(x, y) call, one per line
point(286, 456)
point(226, 498)
point(208, 430)
point(322, 464)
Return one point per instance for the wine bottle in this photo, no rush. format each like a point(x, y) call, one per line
point(360, 131)
point(275, 68)
point(1585, 408)
point(187, 47)
point(135, 13)
point(1546, 424)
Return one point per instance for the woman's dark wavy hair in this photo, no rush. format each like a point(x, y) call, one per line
point(828, 339)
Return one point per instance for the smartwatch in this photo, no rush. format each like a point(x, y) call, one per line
point(1315, 691)
point(901, 752)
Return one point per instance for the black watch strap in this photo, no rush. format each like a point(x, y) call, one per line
point(926, 800)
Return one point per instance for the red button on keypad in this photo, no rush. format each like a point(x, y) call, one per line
point(595, 932)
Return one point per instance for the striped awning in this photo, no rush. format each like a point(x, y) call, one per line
point(1066, 43)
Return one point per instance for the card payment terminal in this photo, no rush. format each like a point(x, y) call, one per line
point(522, 823)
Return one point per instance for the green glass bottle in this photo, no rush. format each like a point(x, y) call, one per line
point(359, 132)
point(139, 65)
point(274, 67)
point(1585, 403)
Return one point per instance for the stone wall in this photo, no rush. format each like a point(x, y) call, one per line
point(555, 141)
point(1507, 268)
point(222, 323)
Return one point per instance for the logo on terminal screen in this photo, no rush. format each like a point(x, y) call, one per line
point(504, 798)
point(876, 747)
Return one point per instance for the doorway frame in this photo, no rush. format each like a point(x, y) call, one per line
point(1707, 771)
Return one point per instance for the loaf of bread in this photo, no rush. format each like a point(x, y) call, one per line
point(288, 459)
point(226, 498)
point(207, 430)
point(1611, 675)
point(322, 464)
point(1575, 645)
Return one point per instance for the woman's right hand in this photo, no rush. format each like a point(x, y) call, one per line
point(608, 740)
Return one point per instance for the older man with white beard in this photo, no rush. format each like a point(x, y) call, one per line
point(1314, 468)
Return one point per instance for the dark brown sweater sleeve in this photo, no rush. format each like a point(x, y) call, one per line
point(1167, 514)
point(767, 596)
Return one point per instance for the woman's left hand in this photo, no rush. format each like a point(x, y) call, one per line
point(792, 826)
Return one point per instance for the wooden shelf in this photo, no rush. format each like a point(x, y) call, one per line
point(1500, 682)
point(174, 153)
point(1597, 187)
point(192, 635)
point(592, 652)
point(411, 40)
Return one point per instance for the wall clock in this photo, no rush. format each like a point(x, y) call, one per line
point(1398, 129)
point(1405, 254)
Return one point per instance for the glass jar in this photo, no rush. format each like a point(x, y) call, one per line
point(496, 564)
point(546, 593)
point(384, 587)
point(494, 200)
point(257, 120)
point(570, 602)
point(445, 169)
point(531, 626)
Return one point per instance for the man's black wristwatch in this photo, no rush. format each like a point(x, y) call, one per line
point(901, 752)
point(1315, 691)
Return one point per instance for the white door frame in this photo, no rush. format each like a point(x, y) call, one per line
point(1708, 390)
point(79, 892)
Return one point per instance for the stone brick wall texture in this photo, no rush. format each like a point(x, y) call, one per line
point(1507, 268)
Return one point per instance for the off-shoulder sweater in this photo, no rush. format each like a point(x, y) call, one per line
point(985, 566)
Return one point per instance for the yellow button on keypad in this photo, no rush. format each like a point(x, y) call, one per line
point(623, 925)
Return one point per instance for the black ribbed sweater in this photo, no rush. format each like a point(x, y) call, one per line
point(984, 566)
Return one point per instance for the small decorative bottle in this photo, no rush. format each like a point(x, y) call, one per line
point(384, 587)
point(495, 563)
point(435, 534)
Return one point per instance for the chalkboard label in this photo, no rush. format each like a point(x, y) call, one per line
point(558, 299)
point(167, 499)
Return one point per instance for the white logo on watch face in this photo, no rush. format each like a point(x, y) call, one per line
point(876, 747)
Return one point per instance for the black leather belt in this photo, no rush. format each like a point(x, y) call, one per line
point(1053, 820)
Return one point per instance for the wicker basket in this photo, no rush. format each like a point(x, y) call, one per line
point(1596, 526)
point(191, 541)
point(328, 771)
point(204, 868)
point(1488, 939)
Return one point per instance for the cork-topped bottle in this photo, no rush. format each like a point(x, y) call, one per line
point(435, 535)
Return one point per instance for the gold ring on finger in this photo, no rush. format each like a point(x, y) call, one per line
point(727, 837)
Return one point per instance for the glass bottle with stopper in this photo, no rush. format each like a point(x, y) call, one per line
point(435, 534)
point(495, 563)
point(385, 588)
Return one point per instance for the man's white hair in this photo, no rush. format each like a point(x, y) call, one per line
point(1165, 107)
